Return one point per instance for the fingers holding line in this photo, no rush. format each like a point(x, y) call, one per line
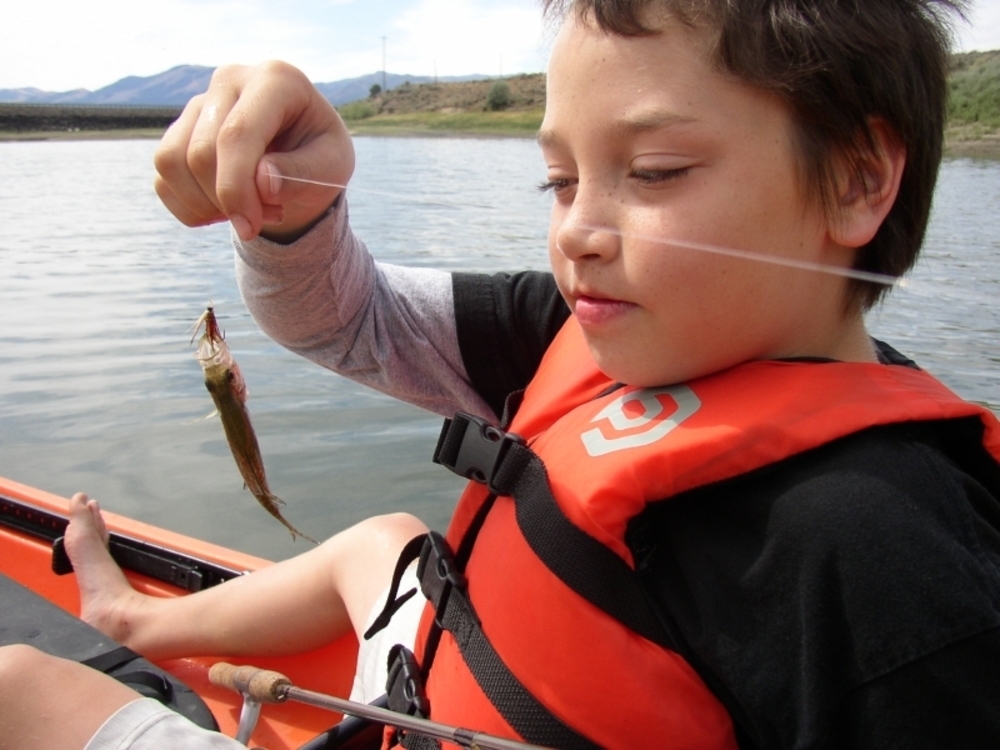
point(225, 156)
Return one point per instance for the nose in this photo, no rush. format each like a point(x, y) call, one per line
point(585, 230)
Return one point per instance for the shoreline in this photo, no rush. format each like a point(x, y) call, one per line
point(394, 131)
point(987, 147)
point(125, 134)
point(977, 148)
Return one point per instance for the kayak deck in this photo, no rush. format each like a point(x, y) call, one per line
point(31, 519)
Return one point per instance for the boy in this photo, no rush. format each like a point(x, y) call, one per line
point(721, 513)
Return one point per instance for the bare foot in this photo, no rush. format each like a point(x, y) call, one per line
point(106, 598)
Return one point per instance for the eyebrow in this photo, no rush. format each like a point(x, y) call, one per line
point(630, 124)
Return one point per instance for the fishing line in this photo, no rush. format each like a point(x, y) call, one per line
point(396, 196)
point(850, 273)
point(804, 265)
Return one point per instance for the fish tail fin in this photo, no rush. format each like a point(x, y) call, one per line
point(271, 503)
point(296, 533)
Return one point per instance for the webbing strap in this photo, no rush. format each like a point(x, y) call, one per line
point(109, 660)
point(148, 683)
point(588, 567)
point(444, 586)
point(407, 555)
point(414, 741)
point(471, 447)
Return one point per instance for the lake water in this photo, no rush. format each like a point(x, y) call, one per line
point(99, 286)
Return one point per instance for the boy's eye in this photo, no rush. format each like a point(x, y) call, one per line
point(645, 176)
point(656, 176)
point(556, 186)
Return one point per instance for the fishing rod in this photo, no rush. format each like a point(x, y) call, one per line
point(260, 686)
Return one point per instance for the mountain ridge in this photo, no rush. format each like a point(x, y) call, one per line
point(174, 87)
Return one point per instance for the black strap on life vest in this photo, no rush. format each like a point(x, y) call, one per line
point(502, 461)
point(471, 447)
point(394, 600)
point(444, 585)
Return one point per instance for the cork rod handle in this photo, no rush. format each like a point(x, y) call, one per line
point(262, 685)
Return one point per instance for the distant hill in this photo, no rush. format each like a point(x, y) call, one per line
point(525, 92)
point(973, 108)
point(353, 89)
point(176, 86)
point(974, 90)
point(974, 82)
point(171, 88)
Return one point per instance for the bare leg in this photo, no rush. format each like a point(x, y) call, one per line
point(292, 606)
point(47, 702)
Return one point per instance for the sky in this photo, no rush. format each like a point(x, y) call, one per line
point(60, 45)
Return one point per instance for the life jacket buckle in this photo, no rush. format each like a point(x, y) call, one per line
point(405, 685)
point(473, 448)
point(439, 574)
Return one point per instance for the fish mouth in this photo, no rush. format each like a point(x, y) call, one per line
point(212, 353)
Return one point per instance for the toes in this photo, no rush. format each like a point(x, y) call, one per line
point(98, 520)
point(85, 522)
point(78, 502)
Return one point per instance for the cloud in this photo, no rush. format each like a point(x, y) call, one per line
point(59, 45)
point(468, 36)
point(983, 30)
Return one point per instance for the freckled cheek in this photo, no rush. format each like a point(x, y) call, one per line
point(561, 268)
point(557, 219)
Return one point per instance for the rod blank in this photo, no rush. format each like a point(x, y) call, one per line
point(267, 686)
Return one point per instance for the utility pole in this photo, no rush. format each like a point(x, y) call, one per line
point(384, 87)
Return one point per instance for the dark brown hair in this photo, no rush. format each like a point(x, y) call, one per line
point(839, 65)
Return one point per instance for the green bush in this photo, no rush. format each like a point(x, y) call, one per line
point(499, 97)
point(361, 110)
point(974, 89)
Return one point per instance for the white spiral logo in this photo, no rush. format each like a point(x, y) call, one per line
point(652, 408)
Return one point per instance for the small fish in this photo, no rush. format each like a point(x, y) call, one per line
point(229, 392)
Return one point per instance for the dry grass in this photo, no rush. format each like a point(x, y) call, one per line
point(523, 123)
point(527, 92)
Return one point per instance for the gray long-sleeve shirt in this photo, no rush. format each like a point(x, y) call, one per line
point(387, 327)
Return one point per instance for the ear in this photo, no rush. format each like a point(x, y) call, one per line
point(866, 193)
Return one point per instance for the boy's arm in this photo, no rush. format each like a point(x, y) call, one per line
point(387, 327)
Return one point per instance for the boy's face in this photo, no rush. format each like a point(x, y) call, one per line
point(643, 139)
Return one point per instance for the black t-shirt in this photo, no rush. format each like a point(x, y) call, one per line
point(848, 597)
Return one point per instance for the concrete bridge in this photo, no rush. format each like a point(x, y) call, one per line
point(19, 117)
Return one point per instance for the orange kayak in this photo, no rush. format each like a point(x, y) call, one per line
point(164, 563)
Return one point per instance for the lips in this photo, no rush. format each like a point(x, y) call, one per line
point(597, 311)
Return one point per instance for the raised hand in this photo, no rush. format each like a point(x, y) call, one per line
point(223, 159)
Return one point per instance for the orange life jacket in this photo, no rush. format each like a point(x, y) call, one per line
point(546, 633)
